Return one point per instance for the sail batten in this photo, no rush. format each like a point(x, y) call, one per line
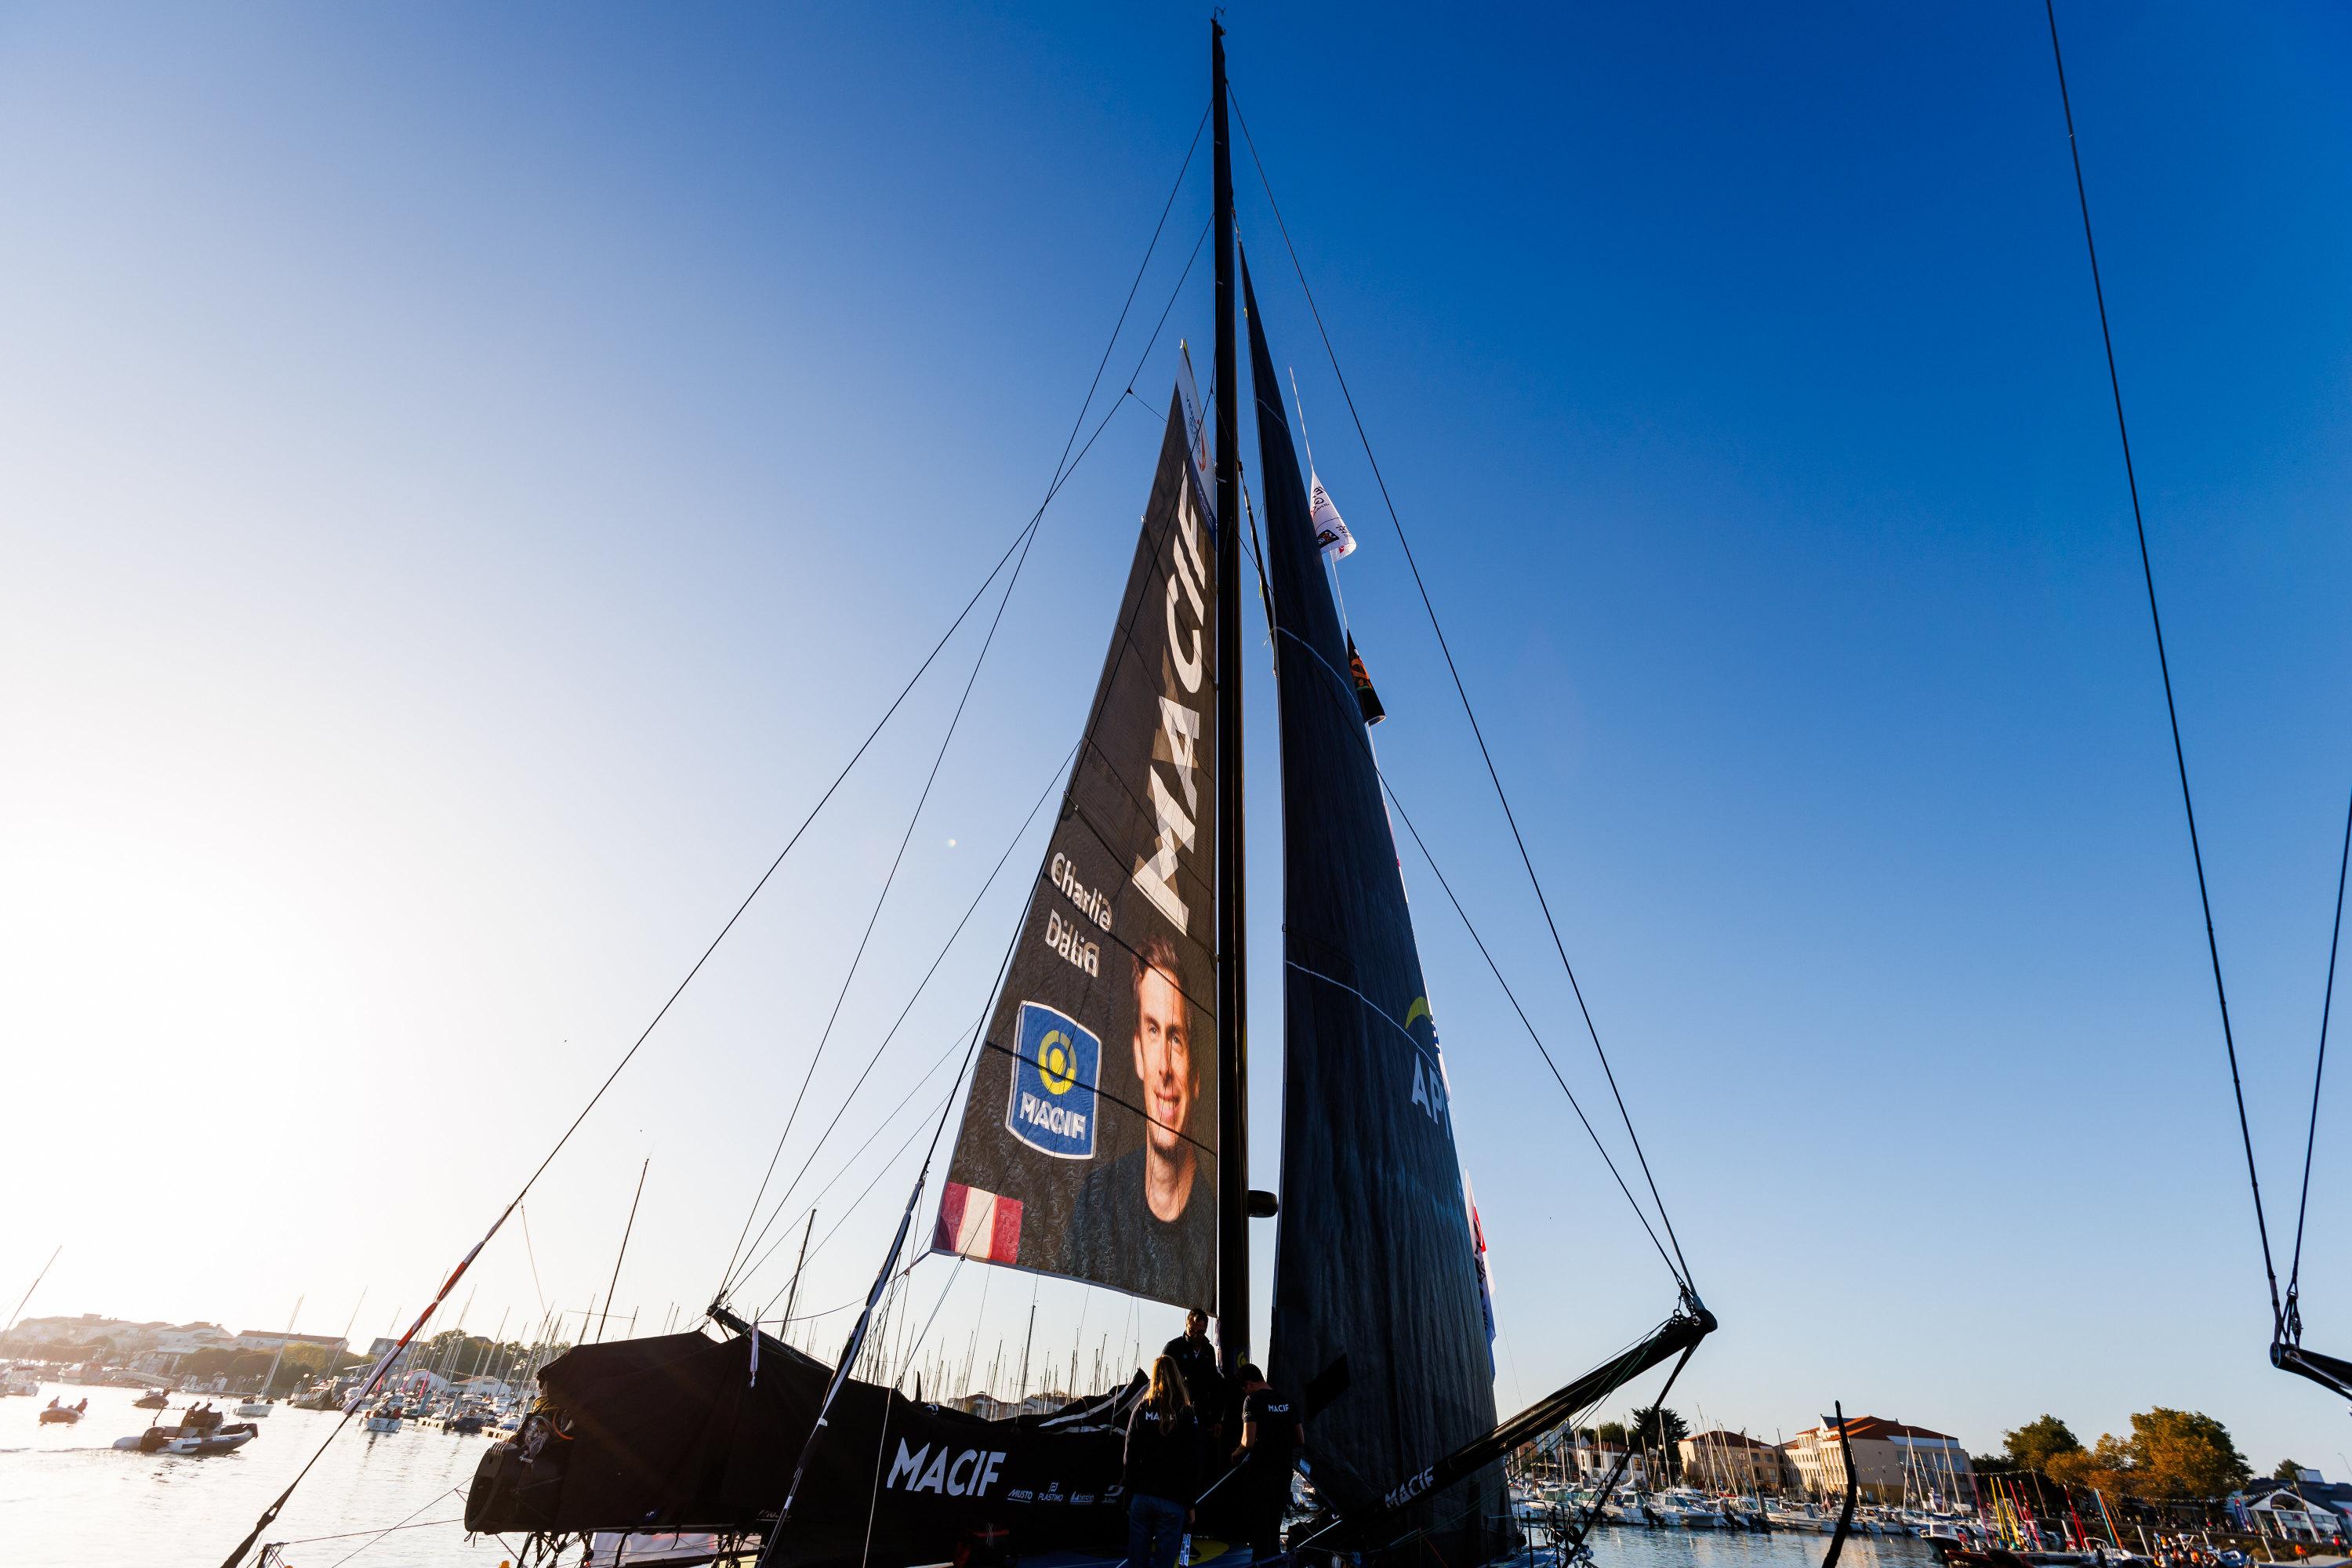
point(1377, 1318)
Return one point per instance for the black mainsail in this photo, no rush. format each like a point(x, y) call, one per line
point(1377, 1315)
point(1089, 1146)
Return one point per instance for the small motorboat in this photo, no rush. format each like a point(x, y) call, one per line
point(250, 1408)
point(20, 1379)
point(383, 1421)
point(219, 1438)
point(153, 1399)
point(64, 1413)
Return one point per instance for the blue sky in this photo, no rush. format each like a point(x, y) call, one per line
point(468, 478)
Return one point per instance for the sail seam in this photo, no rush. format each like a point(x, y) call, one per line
point(1333, 980)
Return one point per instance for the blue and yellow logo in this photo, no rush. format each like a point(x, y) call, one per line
point(1052, 1105)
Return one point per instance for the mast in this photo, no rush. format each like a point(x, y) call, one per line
point(1233, 993)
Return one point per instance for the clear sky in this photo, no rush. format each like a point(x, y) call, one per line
point(468, 478)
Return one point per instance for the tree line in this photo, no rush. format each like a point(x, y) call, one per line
point(2168, 1455)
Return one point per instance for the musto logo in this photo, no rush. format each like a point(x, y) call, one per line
point(1052, 1107)
point(953, 1473)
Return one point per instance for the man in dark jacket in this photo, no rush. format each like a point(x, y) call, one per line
point(1196, 1358)
point(1272, 1433)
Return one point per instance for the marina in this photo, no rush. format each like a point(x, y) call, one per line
point(942, 966)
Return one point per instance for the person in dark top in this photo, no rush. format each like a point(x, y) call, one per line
point(1196, 1358)
point(1147, 1222)
point(1272, 1433)
point(1162, 1473)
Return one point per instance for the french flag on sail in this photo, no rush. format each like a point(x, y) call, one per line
point(980, 1225)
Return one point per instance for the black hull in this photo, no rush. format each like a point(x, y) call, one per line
point(674, 1432)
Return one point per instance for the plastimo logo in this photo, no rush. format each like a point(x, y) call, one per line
point(1052, 1104)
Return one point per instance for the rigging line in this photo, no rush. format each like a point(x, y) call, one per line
point(237, 1554)
point(879, 1127)
point(874, 1058)
point(2171, 712)
point(379, 1534)
point(979, 1026)
point(1681, 1277)
point(889, 879)
point(1143, 359)
point(1462, 691)
point(907, 1353)
point(1061, 479)
point(1064, 467)
point(2310, 1137)
point(1173, 191)
point(524, 1216)
point(1348, 695)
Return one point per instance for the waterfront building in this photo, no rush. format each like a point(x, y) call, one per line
point(1891, 1461)
point(1734, 1462)
point(1596, 1461)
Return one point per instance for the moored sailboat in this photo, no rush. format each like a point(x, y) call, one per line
point(1103, 1136)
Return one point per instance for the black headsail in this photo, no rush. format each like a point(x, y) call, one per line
point(1376, 1304)
point(1088, 1147)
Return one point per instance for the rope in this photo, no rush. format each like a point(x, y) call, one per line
point(2311, 1135)
point(889, 879)
point(378, 1535)
point(1347, 693)
point(2171, 712)
point(874, 1058)
point(1463, 692)
point(1063, 466)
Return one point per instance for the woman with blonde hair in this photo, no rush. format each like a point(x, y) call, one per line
point(1163, 1476)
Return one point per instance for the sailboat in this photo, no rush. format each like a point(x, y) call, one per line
point(259, 1405)
point(1104, 1137)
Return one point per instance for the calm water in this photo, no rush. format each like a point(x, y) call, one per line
point(68, 1499)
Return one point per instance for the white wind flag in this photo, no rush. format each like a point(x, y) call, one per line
point(1331, 535)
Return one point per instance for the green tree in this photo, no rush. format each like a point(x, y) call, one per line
point(2184, 1454)
point(1659, 1428)
point(1613, 1432)
point(2033, 1445)
point(2287, 1470)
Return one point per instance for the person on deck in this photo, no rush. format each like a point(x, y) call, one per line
point(1162, 1474)
point(1272, 1435)
point(1196, 1358)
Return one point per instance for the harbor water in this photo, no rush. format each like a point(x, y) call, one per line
point(68, 1499)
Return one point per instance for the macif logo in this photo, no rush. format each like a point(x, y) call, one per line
point(1052, 1104)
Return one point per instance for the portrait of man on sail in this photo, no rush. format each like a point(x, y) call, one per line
point(1089, 1143)
point(1149, 1212)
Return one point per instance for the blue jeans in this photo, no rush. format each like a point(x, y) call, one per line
point(1155, 1531)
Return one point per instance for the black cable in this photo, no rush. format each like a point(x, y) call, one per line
point(874, 1058)
point(1063, 468)
point(1403, 816)
point(2180, 756)
point(2311, 1136)
point(1462, 691)
point(889, 879)
point(1542, 1049)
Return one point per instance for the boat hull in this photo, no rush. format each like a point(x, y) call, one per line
point(676, 1433)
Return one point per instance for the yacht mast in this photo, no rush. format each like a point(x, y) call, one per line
point(1232, 994)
